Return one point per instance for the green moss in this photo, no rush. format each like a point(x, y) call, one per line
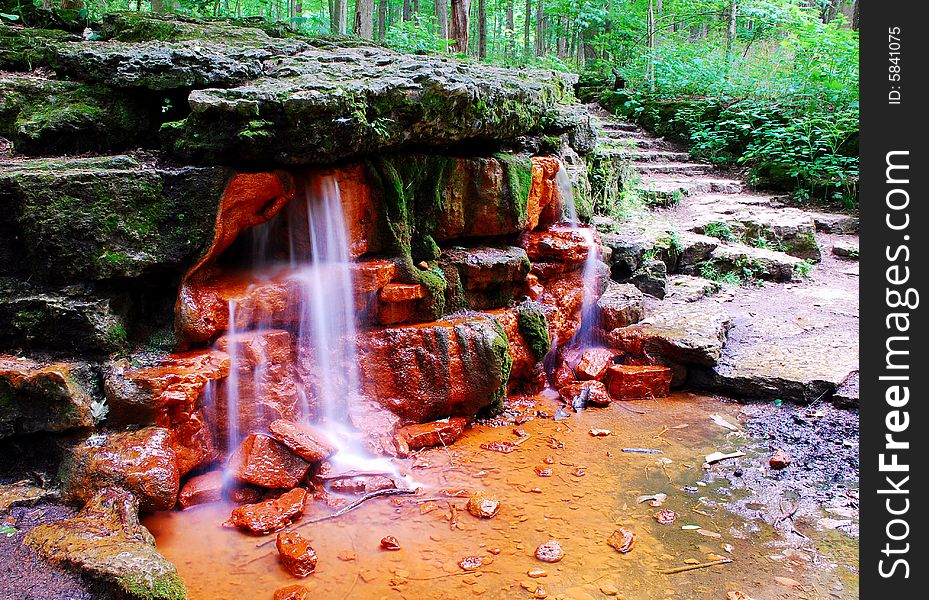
point(533, 325)
point(29, 320)
point(168, 586)
point(496, 363)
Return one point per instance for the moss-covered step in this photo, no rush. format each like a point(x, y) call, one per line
point(74, 220)
point(48, 116)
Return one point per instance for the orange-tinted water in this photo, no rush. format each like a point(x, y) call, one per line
point(580, 511)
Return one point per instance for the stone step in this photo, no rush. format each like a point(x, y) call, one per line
point(743, 264)
point(621, 126)
point(789, 230)
point(652, 144)
point(660, 156)
point(664, 190)
point(672, 168)
point(687, 288)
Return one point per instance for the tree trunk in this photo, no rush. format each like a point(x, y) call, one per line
point(730, 35)
point(482, 29)
point(407, 10)
point(458, 25)
point(528, 26)
point(381, 20)
point(856, 18)
point(158, 7)
point(650, 32)
point(364, 19)
point(540, 28)
point(441, 15)
point(338, 16)
point(511, 28)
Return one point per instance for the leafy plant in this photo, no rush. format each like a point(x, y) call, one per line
point(720, 230)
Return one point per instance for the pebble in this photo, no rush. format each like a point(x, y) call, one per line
point(389, 542)
point(549, 552)
point(608, 589)
point(483, 506)
point(536, 573)
point(780, 460)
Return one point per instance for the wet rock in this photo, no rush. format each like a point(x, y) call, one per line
point(780, 460)
point(202, 489)
point(544, 205)
point(436, 433)
point(678, 333)
point(454, 367)
point(594, 363)
point(152, 394)
point(622, 540)
point(550, 552)
point(46, 396)
point(564, 294)
point(390, 543)
point(361, 484)
point(524, 343)
point(265, 462)
point(585, 392)
point(292, 592)
point(471, 563)
point(306, 442)
point(296, 554)
point(267, 384)
point(629, 382)
point(651, 278)
point(666, 517)
point(619, 306)
point(564, 376)
point(106, 542)
point(373, 274)
point(402, 292)
point(483, 506)
point(192, 440)
point(484, 267)
point(142, 462)
point(270, 515)
point(21, 493)
point(558, 243)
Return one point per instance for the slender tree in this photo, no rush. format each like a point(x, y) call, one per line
point(482, 29)
point(511, 29)
point(381, 20)
point(527, 26)
point(338, 16)
point(441, 15)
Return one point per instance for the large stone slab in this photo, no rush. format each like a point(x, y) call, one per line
point(106, 542)
point(681, 333)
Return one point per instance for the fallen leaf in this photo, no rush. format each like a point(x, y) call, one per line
point(708, 533)
point(724, 423)
point(718, 456)
point(690, 527)
point(654, 500)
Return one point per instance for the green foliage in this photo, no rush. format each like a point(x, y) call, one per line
point(722, 231)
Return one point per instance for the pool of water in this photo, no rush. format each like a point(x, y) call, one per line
point(592, 491)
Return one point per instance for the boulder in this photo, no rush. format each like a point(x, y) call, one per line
point(489, 276)
point(594, 363)
point(619, 306)
point(429, 371)
point(844, 249)
point(265, 462)
point(678, 332)
point(202, 489)
point(747, 262)
point(46, 396)
point(686, 288)
point(593, 393)
point(306, 442)
point(296, 554)
point(270, 515)
point(651, 278)
point(151, 393)
point(436, 433)
point(48, 116)
point(106, 542)
point(142, 462)
point(629, 382)
point(560, 243)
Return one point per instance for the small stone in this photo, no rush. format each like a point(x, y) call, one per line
point(346, 556)
point(390, 543)
point(495, 551)
point(622, 540)
point(600, 432)
point(579, 472)
point(540, 593)
point(436, 433)
point(423, 265)
point(780, 460)
point(666, 517)
point(549, 552)
point(292, 592)
point(483, 506)
point(536, 573)
point(306, 442)
point(543, 471)
point(270, 515)
point(594, 363)
point(471, 563)
point(608, 589)
point(549, 460)
point(202, 489)
point(297, 556)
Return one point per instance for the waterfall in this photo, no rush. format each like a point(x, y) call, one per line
point(584, 336)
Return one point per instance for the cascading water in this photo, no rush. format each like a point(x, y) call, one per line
point(584, 336)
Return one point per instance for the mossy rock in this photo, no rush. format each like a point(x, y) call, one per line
point(533, 325)
point(80, 220)
point(47, 116)
point(24, 49)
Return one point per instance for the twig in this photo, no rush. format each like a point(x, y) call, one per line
point(256, 559)
point(443, 576)
point(713, 563)
point(342, 511)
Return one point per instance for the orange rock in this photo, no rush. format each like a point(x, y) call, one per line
point(544, 205)
point(402, 292)
point(373, 274)
point(558, 243)
point(564, 376)
point(594, 391)
point(142, 462)
point(628, 382)
point(360, 207)
point(306, 442)
point(267, 384)
point(148, 395)
point(270, 515)
point(265, 462)
point(436, 433)
point(394, 313)
point(193, 442)
point(292, 592)
point(429, 371)
point(297, 556)
point(594, 363)
point(202, 489)
point(524, 368)
point(535, 288)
